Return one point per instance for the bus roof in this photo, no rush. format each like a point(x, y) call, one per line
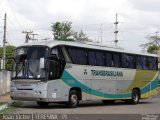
point(52, 43)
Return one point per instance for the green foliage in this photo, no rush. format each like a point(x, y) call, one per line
point(2, 103)
point(9, 55)
point(153, 45)
point(62, 31)
point(7, 111)
point(17, 103)
point(81, 36)
point(152, 48)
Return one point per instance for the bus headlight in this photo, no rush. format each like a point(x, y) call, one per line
point(38, 92)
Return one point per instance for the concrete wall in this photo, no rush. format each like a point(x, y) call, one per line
point(5, 77)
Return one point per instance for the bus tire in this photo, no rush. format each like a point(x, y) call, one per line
point(108, 101)
point(73, 99)
point(135, 97)
point(42, 104)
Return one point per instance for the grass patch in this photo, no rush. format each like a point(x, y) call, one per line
point(5, 94)
point(16, 103)
point(11, 108)
point(2, 103)
point(7, 111)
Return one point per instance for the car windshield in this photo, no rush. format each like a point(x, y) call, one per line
point(27, 62)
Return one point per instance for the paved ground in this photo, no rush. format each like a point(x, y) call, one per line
point(95, 107)
point(94, 110)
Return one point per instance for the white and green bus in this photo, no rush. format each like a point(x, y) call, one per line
point(67, 72)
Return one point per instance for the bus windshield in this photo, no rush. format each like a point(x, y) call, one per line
point(27, 61)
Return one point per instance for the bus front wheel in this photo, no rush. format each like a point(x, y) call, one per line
point(42, 104)
point(73, 99)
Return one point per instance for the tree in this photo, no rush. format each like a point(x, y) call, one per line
point(152, 48)
point(80, 36)
point(9, 55)
point(62, 31)
point(153, 45)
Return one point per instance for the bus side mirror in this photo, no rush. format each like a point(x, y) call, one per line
point(41, 63)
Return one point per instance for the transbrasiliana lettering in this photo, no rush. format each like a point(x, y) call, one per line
point(106, 73)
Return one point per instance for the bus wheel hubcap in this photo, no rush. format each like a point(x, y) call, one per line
point(74, 99)
point(135, 97)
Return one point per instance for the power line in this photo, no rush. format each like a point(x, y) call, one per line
point(15, 15)
point(156, 40)
point(142, 24)
point(9, 40)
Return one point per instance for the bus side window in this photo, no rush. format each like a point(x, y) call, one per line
point(91, 57)
point(156, 64)
point(138, 62)
point(147, 62)
point(152, 63)
point(77, 55)
point(108, 57)
point(81, 57)
point(144, 62)
point(131, 62)
point(116, 60)
point(72, 54)
point(124, 61)
point(100, 58)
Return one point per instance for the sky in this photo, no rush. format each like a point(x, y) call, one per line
point(137, 19)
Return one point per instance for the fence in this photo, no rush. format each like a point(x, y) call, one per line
point(5, 77)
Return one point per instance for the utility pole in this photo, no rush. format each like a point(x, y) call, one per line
point(157, 38)
point(157, 41)
point(27, 35)
point(101, 31)
point(4, 41)
point(33, 37)
point(116, 30)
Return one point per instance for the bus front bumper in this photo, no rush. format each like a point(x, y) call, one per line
point(29, 95)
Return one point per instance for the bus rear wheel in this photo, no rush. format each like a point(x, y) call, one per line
point(73, 99)
point(42, 104)
point(135, 97)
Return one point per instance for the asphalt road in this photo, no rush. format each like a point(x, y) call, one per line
point(96, 110)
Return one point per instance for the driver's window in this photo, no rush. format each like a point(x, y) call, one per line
point(57, 51)
point(56, 66)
